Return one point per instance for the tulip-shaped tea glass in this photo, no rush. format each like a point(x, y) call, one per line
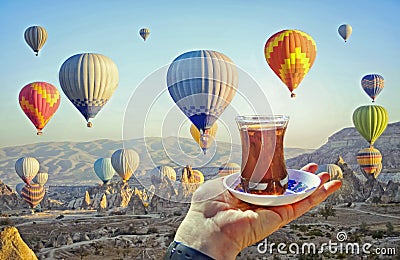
point(263, 163)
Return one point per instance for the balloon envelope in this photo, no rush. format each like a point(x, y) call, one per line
point(35, 37)
point(27, 168)
point(204, 143)
point(202, 83)
point(125, 162)
point(19, 187)
point(159, 172)
point(39, 101)
point(290, 54)
point(372, 85)
point(144, 33)
point(335, 172)
point(33, 194)
point(41, 178)
point(88, 80)
point(228, 168)
point(370, 121)
point(369, 159)
point(104, 169)
point(345, 31)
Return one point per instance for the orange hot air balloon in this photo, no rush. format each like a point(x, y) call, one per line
point(290, 54)
point(39, 101)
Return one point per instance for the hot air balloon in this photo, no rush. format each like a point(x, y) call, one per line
point(39, 101)
point(35, 37)
point(202, 83)
point(345, 31)
point(88, 80)
point(370, 121)
point(228, 168)
point(33, 194)
point(158, 173)
point(198, 177)
point(27, 168)
point(125, 162)
point(41, 178)
point(372, 85)
point(144, 33)
point(204, 145)
point(369, 159)
point(19, 187)
point(335, 172)
point(290, 54)
point(104, 169)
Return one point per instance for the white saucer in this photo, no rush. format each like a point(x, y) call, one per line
point(301, 185)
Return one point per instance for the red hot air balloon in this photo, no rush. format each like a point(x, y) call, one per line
point(39, 101)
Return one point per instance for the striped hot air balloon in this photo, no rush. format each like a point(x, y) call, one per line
point(290, 54)
point(33, 194)
point(228, 168)
point(41, 178)
point(335, 172)
point(35, 37)
point(27, 168)
point(125, 162)
point(369, 159)
point(370, 121)
point(39, 101)
point(144, 33)
point(204, 144)
point(202, 83)
point(372, 85)
point(345, 31)
point(88, 80)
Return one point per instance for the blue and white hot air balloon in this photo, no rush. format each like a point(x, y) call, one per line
point(104, 169)
point(202, 83)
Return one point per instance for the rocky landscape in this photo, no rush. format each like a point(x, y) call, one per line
point(138, 220)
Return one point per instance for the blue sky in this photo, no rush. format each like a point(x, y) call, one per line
point(325, 99)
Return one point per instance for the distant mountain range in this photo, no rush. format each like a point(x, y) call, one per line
point(71, 163)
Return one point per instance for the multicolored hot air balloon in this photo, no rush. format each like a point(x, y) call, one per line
point(89, 80)
point(158, 173)
point(104, 169)
point(370, 121)
point(144, 33)
point(125, 162)
point(41, 178)
point(335, 172)
point(345, 31)
point(198, 177)
point(378, 170)
point(39, 101)
point(228, 168)
point(202, 83)
point(204, 144)
point(290, 54)
point(35, 37)
point(369, 159)
point(372, 85)
point(27, 168)
point(33, 194)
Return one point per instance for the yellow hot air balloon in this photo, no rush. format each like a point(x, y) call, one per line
point(335, 172)
point(370, 121)
point(290, 54)
point(198, 177)
point(204, 143)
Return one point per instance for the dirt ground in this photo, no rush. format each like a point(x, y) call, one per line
point(87, 234)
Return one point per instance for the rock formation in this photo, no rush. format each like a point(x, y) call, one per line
point(13, 247)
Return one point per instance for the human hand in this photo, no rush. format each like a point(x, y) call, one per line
point(220, 225)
